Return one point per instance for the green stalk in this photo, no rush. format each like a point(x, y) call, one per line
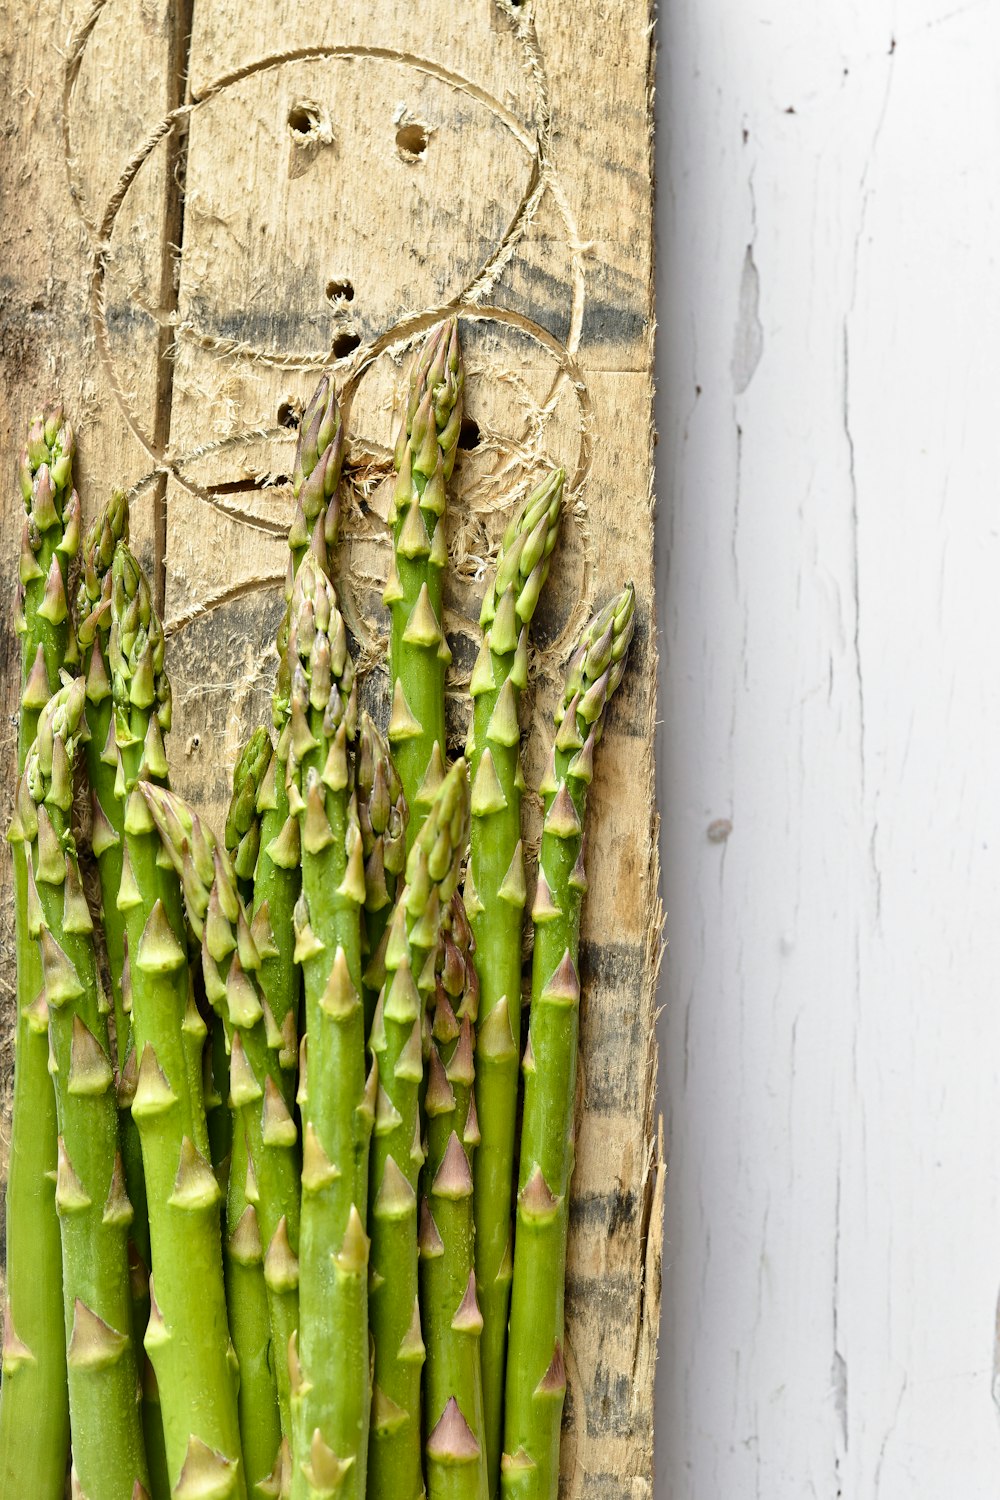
point(93, 609)
point(494, 899)
point(453, 1324)
point(94, 1211)
point(330, 1367)
point(536, 1375)
point(246, 1289)
point(231, 961)
point(34, 1405)
point(432, 872)
point(383, 815)
point(418, 647)
point(187, 1337)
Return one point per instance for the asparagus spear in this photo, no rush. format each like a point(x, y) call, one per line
point(230, 961)
point(329, 1360)
point(93, 611)
point(494, 898)
point(93, 622)
point(187, 1338)
point(432, 872)
point(277, 877)
point(453, 1388)
point(536, 1378)
point(418, 648)
point(246, 1290)
point(94, 1211)
point(383, 815)
point(276, 888)
point(276, 874)
point(262, 837)
point(34, 1408)
point(93, 608)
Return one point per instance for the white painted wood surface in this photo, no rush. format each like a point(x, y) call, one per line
point(829, 515)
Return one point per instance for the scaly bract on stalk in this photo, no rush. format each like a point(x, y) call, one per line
point(536, 1373)
point(34, 1408)
point(494, 899)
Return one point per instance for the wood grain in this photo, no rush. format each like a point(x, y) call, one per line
point(205, 205)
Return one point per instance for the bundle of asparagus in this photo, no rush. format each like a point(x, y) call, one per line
point(263, 1236)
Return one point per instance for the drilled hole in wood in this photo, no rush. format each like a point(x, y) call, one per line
point(340, 291)
point(411, 141)
point(289, 414)
point(345, 344)
point(468, 435)
point(303, 121)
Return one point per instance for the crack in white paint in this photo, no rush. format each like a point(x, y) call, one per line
point(864, 195)
point(748, 341)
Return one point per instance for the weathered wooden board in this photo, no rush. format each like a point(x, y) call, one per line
point(205, 204)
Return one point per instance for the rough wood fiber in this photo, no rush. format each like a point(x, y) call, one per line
point(332, 180)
